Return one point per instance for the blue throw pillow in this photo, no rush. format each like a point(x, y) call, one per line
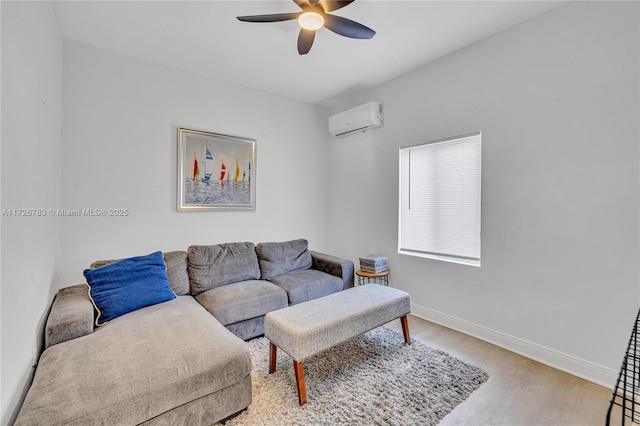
point(128, 284)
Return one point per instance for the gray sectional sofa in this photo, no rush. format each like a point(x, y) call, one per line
point(182, 361)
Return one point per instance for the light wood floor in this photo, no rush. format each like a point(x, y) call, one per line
point(519, 391)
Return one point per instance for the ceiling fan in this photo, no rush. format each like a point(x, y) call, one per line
point(315, 15)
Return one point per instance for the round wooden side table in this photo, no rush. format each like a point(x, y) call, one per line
point(368, 277)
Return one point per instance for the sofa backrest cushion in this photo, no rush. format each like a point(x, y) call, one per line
point(176, 263)
point(279, 258)
point(128, 285)
point(214, 266)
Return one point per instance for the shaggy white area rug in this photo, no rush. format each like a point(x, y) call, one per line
point(373, 379)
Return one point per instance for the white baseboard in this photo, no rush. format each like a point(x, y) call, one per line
point(587, 370)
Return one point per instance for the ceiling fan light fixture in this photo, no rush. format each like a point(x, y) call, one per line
point(315, 15)
point(311, 21)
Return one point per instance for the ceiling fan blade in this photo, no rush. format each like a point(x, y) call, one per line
point(302, 3)
point(330, 5)
point(269, 18)
point(347, 27)
point(305, 41)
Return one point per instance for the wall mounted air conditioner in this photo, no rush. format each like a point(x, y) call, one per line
point(361, 118)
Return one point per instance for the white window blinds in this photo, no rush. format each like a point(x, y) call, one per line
point(439, 212)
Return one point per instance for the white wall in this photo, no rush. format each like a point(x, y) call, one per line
point(31, 146)
point(1, 406)
point(120, 117)
point(557, 101)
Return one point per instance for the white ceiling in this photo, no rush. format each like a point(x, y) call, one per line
point(206, 38)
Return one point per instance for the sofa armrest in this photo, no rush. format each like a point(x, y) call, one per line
point(333, 265)
point(71, 315)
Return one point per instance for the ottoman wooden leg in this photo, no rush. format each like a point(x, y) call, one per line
point(273, 350)
point(302, 390)
point(405, 329)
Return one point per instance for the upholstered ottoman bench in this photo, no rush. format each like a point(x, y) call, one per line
point(305, 329)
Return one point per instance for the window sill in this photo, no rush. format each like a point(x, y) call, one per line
point(461, 261)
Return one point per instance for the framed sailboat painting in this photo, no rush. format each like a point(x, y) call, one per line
point(215, 171)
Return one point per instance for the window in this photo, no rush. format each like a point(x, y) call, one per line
point(439, 212)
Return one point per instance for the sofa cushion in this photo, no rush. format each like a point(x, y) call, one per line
point(214, 266)
point(307, 284)
point(243, 300)
point(127, 285)
point(176, 263)
point(136, 367)
point(279, 258)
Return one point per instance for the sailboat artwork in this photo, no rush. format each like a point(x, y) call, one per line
point(205, 182)
point(196, 170)
point(223, 171)
point(208, 165)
